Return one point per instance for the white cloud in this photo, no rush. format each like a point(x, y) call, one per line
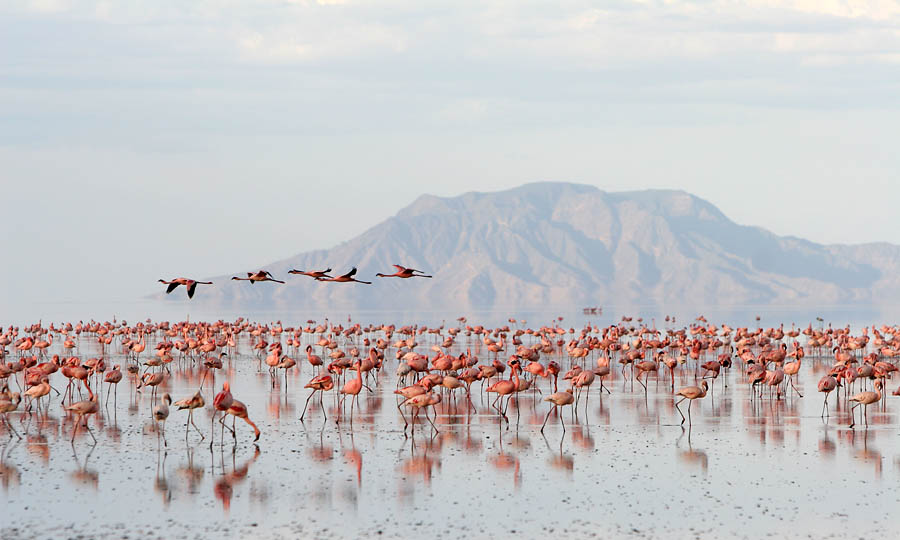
point(567, 33)
point(311, 42)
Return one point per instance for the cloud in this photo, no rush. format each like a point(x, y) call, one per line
point(312, 42)
point(569, 33)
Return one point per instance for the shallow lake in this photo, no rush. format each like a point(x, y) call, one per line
point(624, 467)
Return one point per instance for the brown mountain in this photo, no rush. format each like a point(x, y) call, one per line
point(557, 244)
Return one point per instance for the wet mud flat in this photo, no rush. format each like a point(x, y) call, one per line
point(747, 467)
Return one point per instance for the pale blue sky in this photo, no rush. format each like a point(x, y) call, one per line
point(150, 138)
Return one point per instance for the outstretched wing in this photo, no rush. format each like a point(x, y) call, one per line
point(171, 287)
point(398, 267)
point(350, 274)
point(191, 289)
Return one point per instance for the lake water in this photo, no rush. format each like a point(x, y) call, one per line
point(624, 467)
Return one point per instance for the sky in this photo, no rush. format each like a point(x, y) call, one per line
point(142, 139)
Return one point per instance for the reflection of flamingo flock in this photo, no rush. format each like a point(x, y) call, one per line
point(435, 366)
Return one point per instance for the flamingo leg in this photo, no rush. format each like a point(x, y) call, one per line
point(430, 420)
point(677, 408)
point(212, 433)
point(340, 410)
point(311, 394)
point(11, 428)
point(547, 417)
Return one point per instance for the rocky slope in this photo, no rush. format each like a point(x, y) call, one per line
point(555, 244)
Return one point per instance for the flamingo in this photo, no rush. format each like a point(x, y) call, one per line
point(160, 414)
point(865, 399)
point(113, 377)
point(261, 275)
point(36, 392)
point(315, 274)
point(558, 399)
point(826, 385)
point(404, 273)
point(7, 406)
point(189, 284)
point(505, 387)
point(194, 402)
point(321, 384)
point(690, 393)
point(419, 402)
point(313, 359)
point(239, 410)
point(791, 369)
point(82, 408)
point(152, 380)
point(221, 403)
point(346, 278)
point(351, 388)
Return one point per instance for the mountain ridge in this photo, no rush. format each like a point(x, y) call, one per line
point(549, 244)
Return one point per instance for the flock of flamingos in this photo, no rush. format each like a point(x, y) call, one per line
point(431, 365)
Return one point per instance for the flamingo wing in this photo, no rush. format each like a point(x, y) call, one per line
point(171, 287)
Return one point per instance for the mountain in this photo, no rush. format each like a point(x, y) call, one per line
point(557, 244)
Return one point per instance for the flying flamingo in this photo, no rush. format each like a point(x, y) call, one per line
point(346, 278)
point(404, 273)
point(315, 274)
point(189, 284)
point(690, 393)
point(262, 275)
